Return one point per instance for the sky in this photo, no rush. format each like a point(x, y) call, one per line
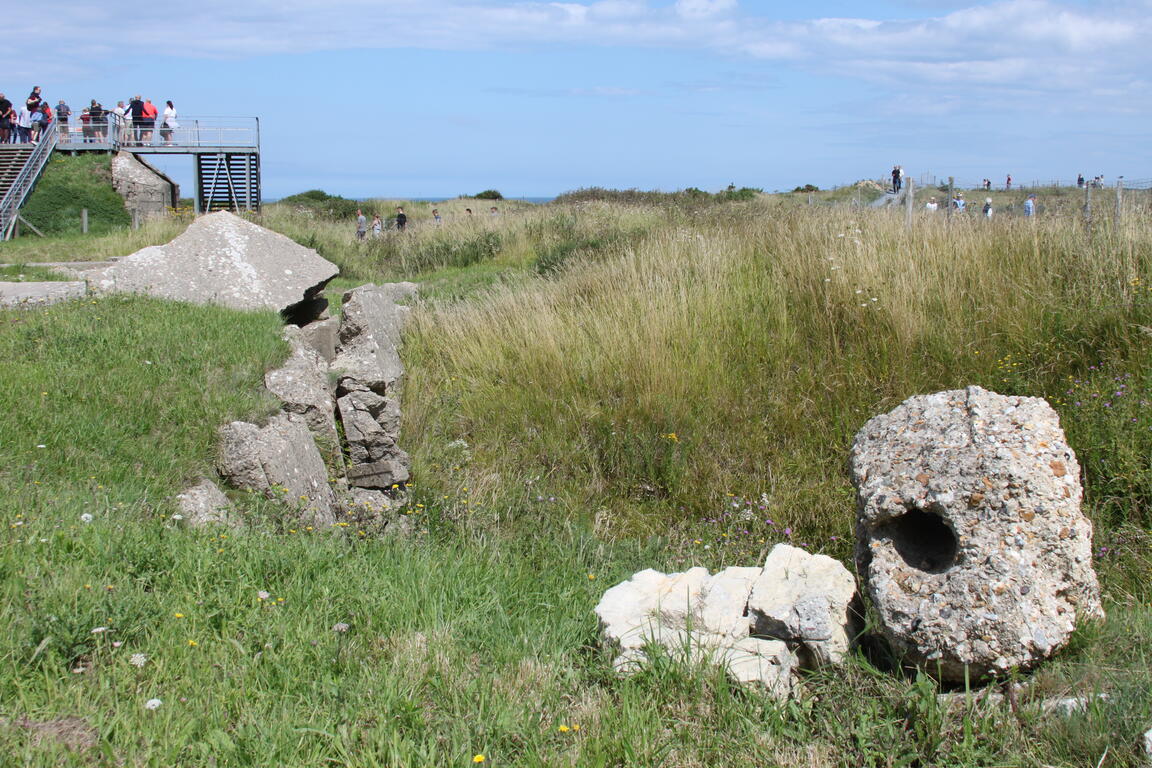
point(428, 98)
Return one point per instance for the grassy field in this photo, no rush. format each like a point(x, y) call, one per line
point(594, 388)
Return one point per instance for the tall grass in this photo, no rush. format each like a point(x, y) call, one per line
point(740, 354)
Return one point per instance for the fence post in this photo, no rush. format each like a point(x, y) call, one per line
point(84, 220)
point(1088, 204)
point(951, 194)
point(135, 219)
point(809, 198)
point(909, 201)
point(1119, 199)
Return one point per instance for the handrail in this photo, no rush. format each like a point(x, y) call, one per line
point(115, 132)
point(25, 180)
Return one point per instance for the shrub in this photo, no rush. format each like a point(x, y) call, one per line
point(489, 194)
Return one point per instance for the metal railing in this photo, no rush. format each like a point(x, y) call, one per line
point(115, 132)
point(25, 180)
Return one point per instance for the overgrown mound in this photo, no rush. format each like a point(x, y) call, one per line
point(71, 184)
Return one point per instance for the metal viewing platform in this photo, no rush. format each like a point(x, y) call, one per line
point(226, 152)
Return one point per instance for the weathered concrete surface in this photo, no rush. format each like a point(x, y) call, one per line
point(370, 327)
point(222, 259)
point(970, 538)
point(147, 192)
point(807, 600)
point(40, 294)
point(205, 504)
point(303, 388)
point(282, 462)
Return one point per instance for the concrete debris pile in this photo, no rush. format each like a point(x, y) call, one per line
point(332, 452)
point(970, 545)
point(763, 625)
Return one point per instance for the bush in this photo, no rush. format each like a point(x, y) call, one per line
point(320, 202)
point(489, 194)
point(807, 188)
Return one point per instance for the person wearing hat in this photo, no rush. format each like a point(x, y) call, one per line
point(958, 202)
point(931, 204)
point(987, 210)
point(1030, 207)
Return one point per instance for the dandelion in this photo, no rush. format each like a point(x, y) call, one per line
point(86, 518)
point(576, 728)
point(138, 660)
point(340, 627)
point(178, 615)
point(192, 643)
point(563, 729)
point(153, 704)
point(591, 577)
point(478, 758)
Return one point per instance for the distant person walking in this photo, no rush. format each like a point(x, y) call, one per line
point(987, 209)
point(1080, 180)
point(170, 124)
point(401, 218)
point(1030, 207)
point(1008, 182)
point(377, 226)
point(896, 179)
point(361, 225)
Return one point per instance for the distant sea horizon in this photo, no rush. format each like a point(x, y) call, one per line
point(440, 199)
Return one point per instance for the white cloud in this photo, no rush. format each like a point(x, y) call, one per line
point(700, 9)
point(1044, 44)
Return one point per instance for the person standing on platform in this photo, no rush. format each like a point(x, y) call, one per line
point(135, 112)
point(169, 124)
point(150, 115)
point(6, 118)
point(63, 112)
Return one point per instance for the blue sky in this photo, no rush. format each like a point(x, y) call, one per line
point(440, 97)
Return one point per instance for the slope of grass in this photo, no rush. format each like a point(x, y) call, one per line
point(70, 184)
point(674, 390)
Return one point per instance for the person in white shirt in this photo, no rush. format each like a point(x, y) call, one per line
point(169, 123)
point(931, 204)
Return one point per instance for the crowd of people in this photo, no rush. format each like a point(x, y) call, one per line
point(399, 222)
point(132, 123)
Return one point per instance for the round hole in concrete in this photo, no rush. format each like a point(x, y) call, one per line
point(923, 540)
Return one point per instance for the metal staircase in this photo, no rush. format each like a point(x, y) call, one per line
point(228, 181)
point(20, 168)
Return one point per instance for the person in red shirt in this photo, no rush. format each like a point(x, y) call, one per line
point(150, 113)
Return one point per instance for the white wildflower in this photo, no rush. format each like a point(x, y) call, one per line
point(153, 704)
point(137, 659)
point(177, 517)
point(340, 627)
point(86, 517)
point(99, 630)
point(263, 595)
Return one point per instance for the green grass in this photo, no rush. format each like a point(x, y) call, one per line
point(622, 408)
point(70, 184)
